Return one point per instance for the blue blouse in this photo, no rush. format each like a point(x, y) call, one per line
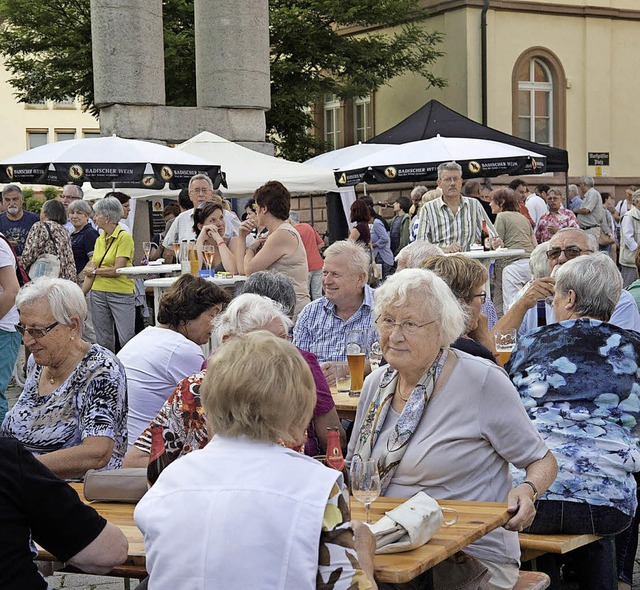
point(579, 381)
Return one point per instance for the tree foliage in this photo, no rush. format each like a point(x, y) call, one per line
point(46, 45)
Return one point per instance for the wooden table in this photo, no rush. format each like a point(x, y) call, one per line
point(346, 404)
point(475, 519)
point(533, 546)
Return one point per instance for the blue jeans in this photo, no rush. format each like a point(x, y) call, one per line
point(9, 347)
point(595, 563)
point(627, 543)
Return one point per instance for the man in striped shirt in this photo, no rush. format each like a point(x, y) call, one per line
point(452, 221)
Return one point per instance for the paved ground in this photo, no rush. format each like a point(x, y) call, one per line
point(86, 582)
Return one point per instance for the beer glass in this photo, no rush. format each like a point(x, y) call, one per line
point(505, 344)
point(356, 348)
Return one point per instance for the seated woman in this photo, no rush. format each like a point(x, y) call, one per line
point(466, 278)
point(445, 422)
point(209, 227)
point(282, 249)
point(72, 411)
point(244, 482)
point(578, 381)
point(160, 356)
point(183, 424)
point(49, 236)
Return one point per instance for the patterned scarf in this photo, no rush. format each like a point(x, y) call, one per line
point(407, 423)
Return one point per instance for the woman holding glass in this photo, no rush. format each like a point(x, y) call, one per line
point(213, 248)
point(441, 421)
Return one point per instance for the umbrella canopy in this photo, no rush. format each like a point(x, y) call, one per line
point(246, 170)
point(418, 161)
point(345, 156)
point(107, 161)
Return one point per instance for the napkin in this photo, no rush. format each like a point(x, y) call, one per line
point(410, 525)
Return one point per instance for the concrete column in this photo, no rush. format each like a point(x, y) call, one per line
point(232, 53)
point(128, 52)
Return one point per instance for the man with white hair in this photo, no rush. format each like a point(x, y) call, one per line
point(565, 245)
point(591, 212)
point(347, 304)
point(573, 198)
point(452, 221)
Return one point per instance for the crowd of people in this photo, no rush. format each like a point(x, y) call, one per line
point(232, 438)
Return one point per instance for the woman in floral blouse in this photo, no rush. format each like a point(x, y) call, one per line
point(578, 380)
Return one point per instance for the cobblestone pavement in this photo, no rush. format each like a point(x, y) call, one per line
point(87, 582)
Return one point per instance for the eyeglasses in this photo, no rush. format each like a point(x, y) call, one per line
point(450, 180)
point(200, 191)
point(482, 296)
point(408, 328)
point(570, 252)
point(35, 333)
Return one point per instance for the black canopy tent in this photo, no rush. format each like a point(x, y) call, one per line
point(434, 118)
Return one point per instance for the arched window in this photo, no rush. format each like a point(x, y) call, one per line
point(539, 102)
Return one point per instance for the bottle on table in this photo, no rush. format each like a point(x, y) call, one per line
point(485, 237)
point(334, 457)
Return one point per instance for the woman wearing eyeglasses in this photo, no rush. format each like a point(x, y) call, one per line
point(578, 380)
point(442, 421)
point(72, 412)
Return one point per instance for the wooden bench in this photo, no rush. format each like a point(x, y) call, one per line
point(532, 546)
point(532, 581)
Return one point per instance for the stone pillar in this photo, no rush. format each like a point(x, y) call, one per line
point(232, 53)
point(128, 52)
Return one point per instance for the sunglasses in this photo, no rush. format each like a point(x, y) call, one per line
point(570, 252)
point(35, 333)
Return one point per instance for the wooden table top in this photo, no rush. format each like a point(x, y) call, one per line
point(475, 519)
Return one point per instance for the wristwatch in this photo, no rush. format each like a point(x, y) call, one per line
point(534, 488)
point(94, 272)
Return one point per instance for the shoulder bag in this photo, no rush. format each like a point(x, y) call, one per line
point(47, 265)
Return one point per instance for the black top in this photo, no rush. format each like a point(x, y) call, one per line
point(35, 504)
point(472, 347)
point(83, 242)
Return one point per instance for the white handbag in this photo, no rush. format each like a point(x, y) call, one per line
point(410, 525)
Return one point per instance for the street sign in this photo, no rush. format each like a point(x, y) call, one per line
point(598, 158)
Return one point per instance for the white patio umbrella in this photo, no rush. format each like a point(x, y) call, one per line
point(105, 161)
point(345, 156)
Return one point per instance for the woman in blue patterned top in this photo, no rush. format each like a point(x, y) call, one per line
point(578, 380)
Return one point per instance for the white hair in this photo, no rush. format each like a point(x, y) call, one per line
point(200, 177)
point(450, 167)
point(415, 253)
point(358, 257)
point(592, 241)
point(596, 282)
point(418, 287)
point(418, 191)
point(246, 313)
point(538, 262)
point(588, 180)
point(111, 207)
point(64, 298)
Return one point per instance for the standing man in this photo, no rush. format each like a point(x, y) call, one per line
point(473, 189)
point(590, 213)
point(573, 200)
point(519, 186)
point(536, 202)
point(15, 222)
point(400, 224)
point(452, 221)
point(312, 243)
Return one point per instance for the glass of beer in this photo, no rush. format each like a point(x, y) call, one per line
point(505, 344)
point(356, 348)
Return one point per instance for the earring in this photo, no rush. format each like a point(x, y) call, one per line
point(72, 338)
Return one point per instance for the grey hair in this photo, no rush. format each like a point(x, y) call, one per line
point(591, 239)
point(294, 216)
point(450, 167)
point(275, 285)
point(11, 188)
point(201, 177)
point(555, 191)
point(415, 253)
point(65, 299)
point(588, 180)
point(635, 196)
point(81, 206)
point(358, 257)
point(595, 280)
point(538, 262)
point(415, 286)
point(246, 313)
point(418, 191)
point(574, 188)
point(111, 207)
point(54, 211)
point(78, 190)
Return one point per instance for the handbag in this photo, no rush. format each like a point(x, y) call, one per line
point(47, 265)
point(605, 239)
point(116, 485)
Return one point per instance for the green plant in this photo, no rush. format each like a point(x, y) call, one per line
point(33, 204)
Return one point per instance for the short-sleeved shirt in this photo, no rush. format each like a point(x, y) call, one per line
point(39, 242)
point(83, 243)
point(515, 231)
point(310, 240)
point(563, 218)
point(321, 331)
point(119, 245)
point(91, 402)
point(181, 229)
point(10, 319)
point(17, 231)
point(37, 506)
point(592, 201)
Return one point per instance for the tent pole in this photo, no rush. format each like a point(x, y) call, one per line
point(311, 208)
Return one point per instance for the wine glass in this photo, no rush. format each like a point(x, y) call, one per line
point(208, 252)
point(365, 481)
point(375, 355)
point(146, 248)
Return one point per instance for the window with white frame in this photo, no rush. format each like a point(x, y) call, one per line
point(36, 138)
point(362, 119)
point(332, 121)
point(65, 134)
point(535, 102)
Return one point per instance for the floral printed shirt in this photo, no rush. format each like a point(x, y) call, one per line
point(579, 381)
point(550, 223)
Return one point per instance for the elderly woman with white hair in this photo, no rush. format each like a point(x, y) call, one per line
point(578, 381)
point(112, 295)
point(72, 411)
point(444, 422)
point(181, 420)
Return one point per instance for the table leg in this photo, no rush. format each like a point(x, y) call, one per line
point(157, 294)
